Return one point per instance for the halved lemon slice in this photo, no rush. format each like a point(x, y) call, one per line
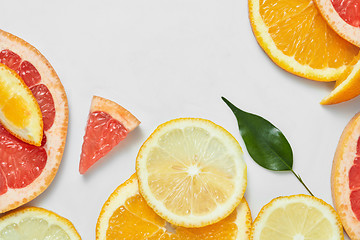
point(297, 217)
point(191, 172)
point(20, 113)
point(36, 223)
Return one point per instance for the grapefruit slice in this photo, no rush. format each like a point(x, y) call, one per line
point(108, 124)
point(345, 178)
point(125, 215)
point(343, 16)
point(27, 170)
point(19, 111)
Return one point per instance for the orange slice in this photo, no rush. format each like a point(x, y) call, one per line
point(36, 223)
point(108, 124)
point(297, 217)
point(345, 178)
point(191, 172)
point(298, 39)
point(27, 170)
point(125, 215)
point(19, 111)
point(343, 16)
point(346, 88)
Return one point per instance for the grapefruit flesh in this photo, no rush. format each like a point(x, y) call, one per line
point(349, 11)
point(102, 134)
point(28, 73)
point(10, 59)
point(22, 163)
point(46, 103)
point(354, 183)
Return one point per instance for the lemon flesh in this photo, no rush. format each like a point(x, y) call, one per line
point(298, 217)
point(191, 172)
point(33, 228)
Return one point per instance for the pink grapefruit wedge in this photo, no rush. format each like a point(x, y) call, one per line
point(108, 124)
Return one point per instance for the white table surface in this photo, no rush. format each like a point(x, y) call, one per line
point(161, 60)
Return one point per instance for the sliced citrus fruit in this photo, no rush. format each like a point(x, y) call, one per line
point(108, 124)
point(191, 172)
point(19, 111)
point(36, 223)
point(297, 38)
point(27, 170)
point(345, 178)
point(125, 215)
point(297, 217)
point(343, 16)
point(346, 88)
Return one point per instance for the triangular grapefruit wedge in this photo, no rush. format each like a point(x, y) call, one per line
point(108, 124)
point(27, 170)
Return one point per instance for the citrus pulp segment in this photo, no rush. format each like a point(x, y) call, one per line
point(346, 88)
point(297, 38)
point(191, 172)
point(19, 111)
point(343, 16)
point(27, 170)
point(36, 223)
point(108, 124)
point(297, 217)
point(345, 178)
point(125, 215)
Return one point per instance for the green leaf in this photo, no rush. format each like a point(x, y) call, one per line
point(265, 143)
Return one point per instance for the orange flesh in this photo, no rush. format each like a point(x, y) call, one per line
point(15, 110)
point(299, 31)
point(136, 220)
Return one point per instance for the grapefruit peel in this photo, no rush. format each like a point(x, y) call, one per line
point(116, 111)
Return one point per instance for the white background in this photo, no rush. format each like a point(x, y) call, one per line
point(164, 59)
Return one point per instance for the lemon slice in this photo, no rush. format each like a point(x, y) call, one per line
point(297, 217)
point(191, 172)
point(20, 113)
point(36, 223)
